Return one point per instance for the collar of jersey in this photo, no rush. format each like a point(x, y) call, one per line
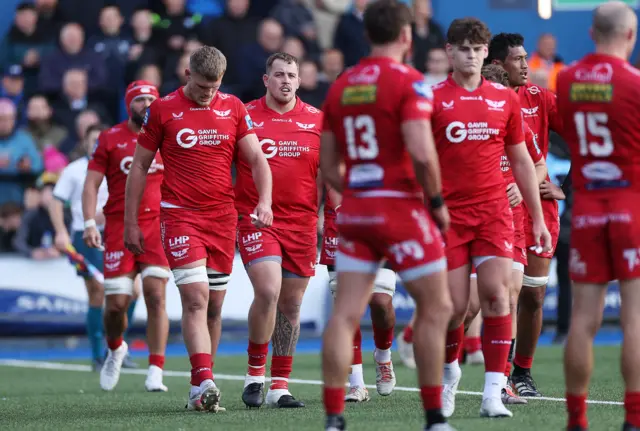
point(453, 82)
point(296, 109)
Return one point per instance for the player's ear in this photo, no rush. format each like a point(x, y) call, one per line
point(265, 79)
point(449, 48)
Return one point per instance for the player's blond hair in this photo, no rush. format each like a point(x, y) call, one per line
point(208, 62)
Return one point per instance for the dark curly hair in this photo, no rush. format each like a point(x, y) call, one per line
point(500, 44)
point(496, 73)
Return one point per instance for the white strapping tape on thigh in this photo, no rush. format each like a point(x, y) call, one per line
point(333, 282)
point(217, 280)
point(529, 281)
point(190, 275)
point(385, 282)
point(518, 266)
point(154, 271)
point(118, 286)
point(479, 260)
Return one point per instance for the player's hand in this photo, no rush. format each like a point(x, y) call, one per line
point(549, 190)
point(262, 216)
point(92, 237)
point(514, 195)
point(441, 217)
point(62, 241)
point(133, 239)
point(542, 237)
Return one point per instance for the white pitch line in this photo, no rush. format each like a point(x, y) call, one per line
point(42, 365)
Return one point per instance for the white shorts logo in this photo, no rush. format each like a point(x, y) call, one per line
point(189, 140)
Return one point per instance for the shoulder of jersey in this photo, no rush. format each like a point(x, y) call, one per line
point(534, 90)
point(168, 99)
point(308, 109)
point(250, 106)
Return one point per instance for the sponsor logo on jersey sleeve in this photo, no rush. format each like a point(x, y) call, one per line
point(95, 147)
point(145, 120)
point(423, 89)
point(359, 95)
point(249, 121)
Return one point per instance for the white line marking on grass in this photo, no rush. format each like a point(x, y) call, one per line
point(42, 365)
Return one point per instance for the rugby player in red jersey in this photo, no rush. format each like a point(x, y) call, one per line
point(475, 122)
point(377, 122)
point(279, 259)
point(599, 104)
point(538, 106)
point(383, 314)
point(112, 159)
point(198, 130)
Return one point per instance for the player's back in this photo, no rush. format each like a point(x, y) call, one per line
point(364, 109)
point(599, 102)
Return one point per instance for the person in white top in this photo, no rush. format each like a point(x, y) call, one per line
point(68, 190)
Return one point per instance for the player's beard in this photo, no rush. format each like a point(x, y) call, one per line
point(137, 118)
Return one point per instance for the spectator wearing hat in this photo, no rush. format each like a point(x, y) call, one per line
point(12, 88)
point(19, 157)
point(36, 234)
point(25, 45)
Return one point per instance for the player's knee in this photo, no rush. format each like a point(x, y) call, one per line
point(214, 313)
point(333, 283)
point(116, 305)
point(290, 307)
point(118, 286)
point(532, 298)
point(154, 299)
point(473, 311)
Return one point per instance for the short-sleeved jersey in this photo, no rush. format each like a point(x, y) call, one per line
point(364, 109)
point(471, 129)
point(197, 144)
point(532, 148)
point(599, 102)
point(69, 189)
point(112, 157)
point(540, 112)
point(291, 144)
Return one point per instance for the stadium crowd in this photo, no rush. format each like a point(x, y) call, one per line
point(65, 65)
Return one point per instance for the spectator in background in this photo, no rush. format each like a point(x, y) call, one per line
point(75, 99)
point(25, 44)
point(349, 35)
point(72, 146)
point(71, 55)
point(44, 132)
point(173, 58)
point(437, 66)
point(297, 21)
point(141, 52)
point(179, 77)
point(49, 19)
point(254, 58)
point(174, 26)
point(332, 65)
point(10, 216)
point(112, 45)
point(545, 64)
point(293, 46)
point(150, 73)
point(311, 91)
point(244, 29)
point(13, 89)
point(36, 233)
point(427, 34)
point(19, 157)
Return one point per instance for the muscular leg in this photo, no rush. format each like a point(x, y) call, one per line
point(118, 291)
point(266, 278)
point(473, 326)
point(383, 319)
point(530, 303)
point(154, 282)
point(588, 306)
point(285, 338)
point(494, 284)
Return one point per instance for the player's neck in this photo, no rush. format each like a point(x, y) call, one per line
point(133, 126)
point(612, 50)
point(278, 107)
point(468, 82)
point(387, 52)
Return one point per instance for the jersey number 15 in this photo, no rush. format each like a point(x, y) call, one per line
point(593, 125)
point(360, 132)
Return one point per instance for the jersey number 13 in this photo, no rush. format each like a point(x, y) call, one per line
point(361, 139)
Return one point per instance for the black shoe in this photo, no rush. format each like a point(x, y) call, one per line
point(288, 402)
point(629, 427)
point(253, 396)
point(524, 385)
point(335, 423)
